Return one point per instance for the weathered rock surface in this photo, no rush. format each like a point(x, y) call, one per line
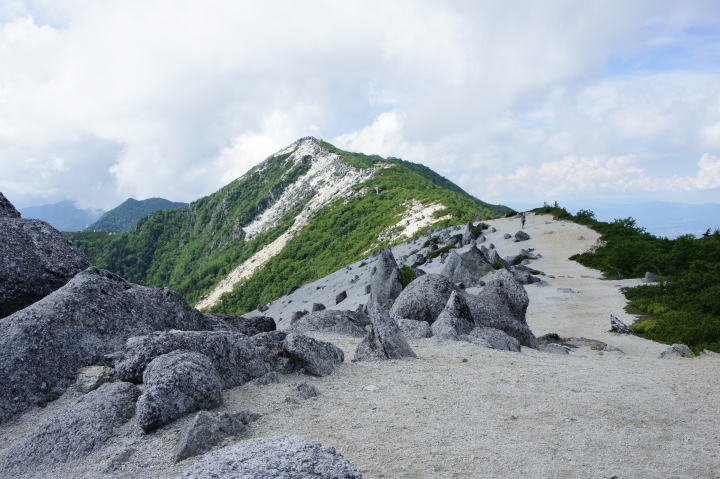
point(73, 432)
point(35, 260)
point(493, 339)
point(7, 209)
point(236, 357)
point(46, 343)
point(454, 320)
point(467, 268)
point(386, 280)
point(414, 329)
point(247, 326)
point(317, 357)
point(677, 351)
point(92, 377)
point(176, 384)
point(424, 298)
point(502, 304)
point(209, 429)
point(385, 340)
point(282, 457)
point(521, 236)
point(348, 323)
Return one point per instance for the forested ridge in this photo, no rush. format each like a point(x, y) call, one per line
point(684, 305)
point(190, 249)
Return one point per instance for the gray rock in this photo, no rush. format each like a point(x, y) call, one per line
point(469, 234)
point(502, 304)
point(73, 432)
point(651, 278)
point(296, 316)
point(92, 377)
point(554, 348)
point(247, 326)
point(341, 297)
point(236, 357)
point(306, 391)
point(424, 298)
point(454, 320)
point(677, 351)
point(493, 339)
point(7, 209)
point(209, 429)
point(414, 329)
point(467, 268)
point(386, 280)
point(283, 457)
point(318, 307)
point(549, 338)
point(384, 340)
point(524, 275)
point(317, 357)
point(348, 323)
point(176, 384)
point(507, 236)
point(521, 236)
point(36, 260)
point(46, 343)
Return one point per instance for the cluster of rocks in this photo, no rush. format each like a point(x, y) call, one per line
point(432, 305)
point(125, 352)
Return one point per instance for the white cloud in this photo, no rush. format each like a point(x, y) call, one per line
point(613, 176)
point(175, 99)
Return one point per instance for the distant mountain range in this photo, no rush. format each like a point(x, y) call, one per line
point(64, 216)
point(125, 216)
point(304, 212)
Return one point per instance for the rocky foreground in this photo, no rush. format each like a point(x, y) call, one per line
point(104, 378)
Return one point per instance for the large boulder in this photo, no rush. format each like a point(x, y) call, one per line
point(209, 429)
point(317, 357)
point(35, 260)
point(414, 329)
point(454, 320)
point(236, 357)
point(347, 323)
point(45, 344)
point(247, 326)
point(469, 234)
point(283, 457)
point(385, 340)
point(424, 298)
point(502, 305)
point(73, 431)
point(467, 268)
point(521, 236)
point(385, 280)
point(176, 384)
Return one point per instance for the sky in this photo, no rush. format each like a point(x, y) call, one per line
point(518, 102)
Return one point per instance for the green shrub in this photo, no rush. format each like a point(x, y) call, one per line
point(407, 274)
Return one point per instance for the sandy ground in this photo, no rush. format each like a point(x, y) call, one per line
point(461, 411)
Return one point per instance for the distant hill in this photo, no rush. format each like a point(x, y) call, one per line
point(64, 216)
point(301, 214)
point(125, 216)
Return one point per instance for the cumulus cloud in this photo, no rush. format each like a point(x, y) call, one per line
point(599, 176)
point(175, 99)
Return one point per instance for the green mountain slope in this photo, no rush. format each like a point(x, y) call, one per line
point(126, 215)
point(319, 207)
